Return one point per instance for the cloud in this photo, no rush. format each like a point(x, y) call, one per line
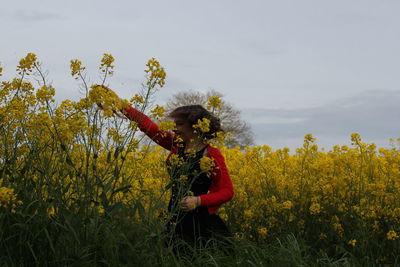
point(373, 114)
point(35, 15)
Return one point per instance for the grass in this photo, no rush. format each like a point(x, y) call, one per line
point(70, 240)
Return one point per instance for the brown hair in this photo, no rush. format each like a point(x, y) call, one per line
point(193, 113)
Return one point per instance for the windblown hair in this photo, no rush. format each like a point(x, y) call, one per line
point(193, 113)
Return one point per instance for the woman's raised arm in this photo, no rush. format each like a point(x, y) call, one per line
point(165, 139)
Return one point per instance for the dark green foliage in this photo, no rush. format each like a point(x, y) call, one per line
point(117, 240)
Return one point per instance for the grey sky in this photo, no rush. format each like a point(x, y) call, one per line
point(291, 64)
point(373, 114)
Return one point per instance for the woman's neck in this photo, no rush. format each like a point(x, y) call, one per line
point(194, 145)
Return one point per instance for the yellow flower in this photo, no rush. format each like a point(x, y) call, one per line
point(287, 205)
point(309, 139)
point(263, 232)
point(352, 242)
point(248, 214)
point(45, 93)
point(322, 236)
point(109, 100)
point(375, 226)
point(219, 139)
point(338, 228)
point(76, 68)
point(315, 208)
point(137, 99)
point(355, 139)
point(115, 135)
point(51, 211)
point(83, 104)
point(223, 216)
point(156, 73)
point(214, 102)
point(157, 112)
point(6, 196)
point(106, 64)
point(167, 125)
point(27, 63)
point(175, 160)
point(207, 164)
point(100, 209)
point(392, 235)
point(8, 199)
point(184, 178)
point(203, 125)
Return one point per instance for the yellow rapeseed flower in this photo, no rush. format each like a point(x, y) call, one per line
point(392, 235)
point(45, 93)
point(322, 236)
point(338, 228)
point(315, 208)
point(207, 164)
point(115, 135)
point(355, 139)
point(156, 73)
point(248, 213)
point(375, 226)
point(8, 199)
point(287, 205)
point(175, 160)
point(137, 99)
point(166, 125)
point(263, 232)
point(309, 140)
point(76, 68)
point(157, 112)
point(51, 211)
point(214, 102)
point(106, 64)
point(7, 196)
point(203, 125)
point(352, 242)
point(27, 63)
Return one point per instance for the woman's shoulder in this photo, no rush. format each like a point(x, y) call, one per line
point(213, 151)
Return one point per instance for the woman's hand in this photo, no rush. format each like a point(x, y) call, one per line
point(190, 203)
point(100, 105)
point(104, 87)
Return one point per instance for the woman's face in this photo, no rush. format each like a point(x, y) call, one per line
point(184, 129)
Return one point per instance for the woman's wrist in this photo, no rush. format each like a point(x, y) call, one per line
point(198, 201)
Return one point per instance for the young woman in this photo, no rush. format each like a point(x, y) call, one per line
point(197, 193)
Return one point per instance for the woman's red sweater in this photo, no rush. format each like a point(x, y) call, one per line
point(221, 188)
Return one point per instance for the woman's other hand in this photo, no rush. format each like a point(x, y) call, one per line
point(190, 203)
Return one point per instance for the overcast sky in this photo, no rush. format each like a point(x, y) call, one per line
point(292, 66)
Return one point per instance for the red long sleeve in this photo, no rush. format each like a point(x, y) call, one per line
point(221, 189)
point(151, 129)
